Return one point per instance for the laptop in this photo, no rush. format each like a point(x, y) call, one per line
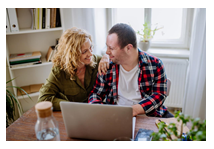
point(96, 121)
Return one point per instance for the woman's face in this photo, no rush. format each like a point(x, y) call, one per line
point(86, 49)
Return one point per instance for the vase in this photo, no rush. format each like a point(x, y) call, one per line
point(144, 45)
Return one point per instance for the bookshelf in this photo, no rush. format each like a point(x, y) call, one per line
point(28, 31)
point(29, 40)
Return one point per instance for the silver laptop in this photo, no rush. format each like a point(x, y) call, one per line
point(96, 121)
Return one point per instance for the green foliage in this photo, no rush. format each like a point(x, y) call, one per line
point(147, 33)
point(11, 102)
point(196, 133)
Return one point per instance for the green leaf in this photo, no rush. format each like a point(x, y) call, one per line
point(19, 89)
point(14, 99)
point(10, 103)
point(8, 99)
point(9, 108)
point(10, 80)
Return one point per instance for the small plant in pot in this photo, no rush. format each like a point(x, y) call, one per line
point(146, 34)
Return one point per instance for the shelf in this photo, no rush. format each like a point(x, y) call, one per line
point(44, 63)
point(26, 31)
point(31, 95)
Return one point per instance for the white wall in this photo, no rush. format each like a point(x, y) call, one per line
point(91, 20)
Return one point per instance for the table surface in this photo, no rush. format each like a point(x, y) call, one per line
point(23, 128)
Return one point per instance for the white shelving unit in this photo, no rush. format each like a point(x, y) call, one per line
point(28, 40)
point(28, 31)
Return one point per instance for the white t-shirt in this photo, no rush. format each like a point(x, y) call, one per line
point(128, 91)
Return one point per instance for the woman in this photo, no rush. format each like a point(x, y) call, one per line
point(74, 69)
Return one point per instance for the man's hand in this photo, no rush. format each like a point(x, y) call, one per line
point(103, 65)
point(137, 109)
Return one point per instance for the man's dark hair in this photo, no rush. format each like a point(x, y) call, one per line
point(126, 35)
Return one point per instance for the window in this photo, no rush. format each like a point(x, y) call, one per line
point(172, 29)
point(176, 23)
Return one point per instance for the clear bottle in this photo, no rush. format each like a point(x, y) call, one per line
point(46, 127)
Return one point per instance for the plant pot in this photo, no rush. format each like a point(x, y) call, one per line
point(144, 45)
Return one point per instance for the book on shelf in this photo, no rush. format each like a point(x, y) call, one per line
point(40, 18)
point(50, 53)
point(58, 22)
point(43, 17)
point(53, 18)
point(47, 19)
point(37, 18)
point(25, 56)
point(29, 89)
point(25, 64)
point(24, 61)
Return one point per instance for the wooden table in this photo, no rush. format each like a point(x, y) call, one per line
point(23, 128)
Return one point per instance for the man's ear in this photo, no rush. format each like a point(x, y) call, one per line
point(129, 47)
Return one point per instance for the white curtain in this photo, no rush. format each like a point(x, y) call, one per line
point(195, 93)
point(90, 19)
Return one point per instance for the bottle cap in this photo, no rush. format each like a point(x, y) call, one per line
point(44, 109)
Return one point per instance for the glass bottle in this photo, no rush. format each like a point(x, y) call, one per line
point(46, 127)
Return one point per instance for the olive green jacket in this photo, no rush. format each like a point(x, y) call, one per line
point(59, 87)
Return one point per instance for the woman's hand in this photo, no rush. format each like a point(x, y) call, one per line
point(104, 64)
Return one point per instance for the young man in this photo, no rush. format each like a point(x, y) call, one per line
point(134, 78)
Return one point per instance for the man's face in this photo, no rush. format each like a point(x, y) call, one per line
point(113, 49)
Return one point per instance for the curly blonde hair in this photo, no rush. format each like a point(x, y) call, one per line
point(68, 52)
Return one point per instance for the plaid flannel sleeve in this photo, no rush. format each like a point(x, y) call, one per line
point(152, 105)
point(99, 90)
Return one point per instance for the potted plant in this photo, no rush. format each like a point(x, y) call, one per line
point(11, 102)
point(196, 133)
point(146, 34)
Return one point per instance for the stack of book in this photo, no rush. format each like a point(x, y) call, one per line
point(25, 59)
point(45, 18)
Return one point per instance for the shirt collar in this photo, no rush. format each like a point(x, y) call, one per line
point(89, 69)
point(142, 58)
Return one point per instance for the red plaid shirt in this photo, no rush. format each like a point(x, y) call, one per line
point(152, 83)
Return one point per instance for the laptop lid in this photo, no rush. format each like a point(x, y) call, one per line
point(96, 121)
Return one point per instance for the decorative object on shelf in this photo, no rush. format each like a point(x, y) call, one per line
point(177, 130)
point(146, 35)
point(11, 102)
